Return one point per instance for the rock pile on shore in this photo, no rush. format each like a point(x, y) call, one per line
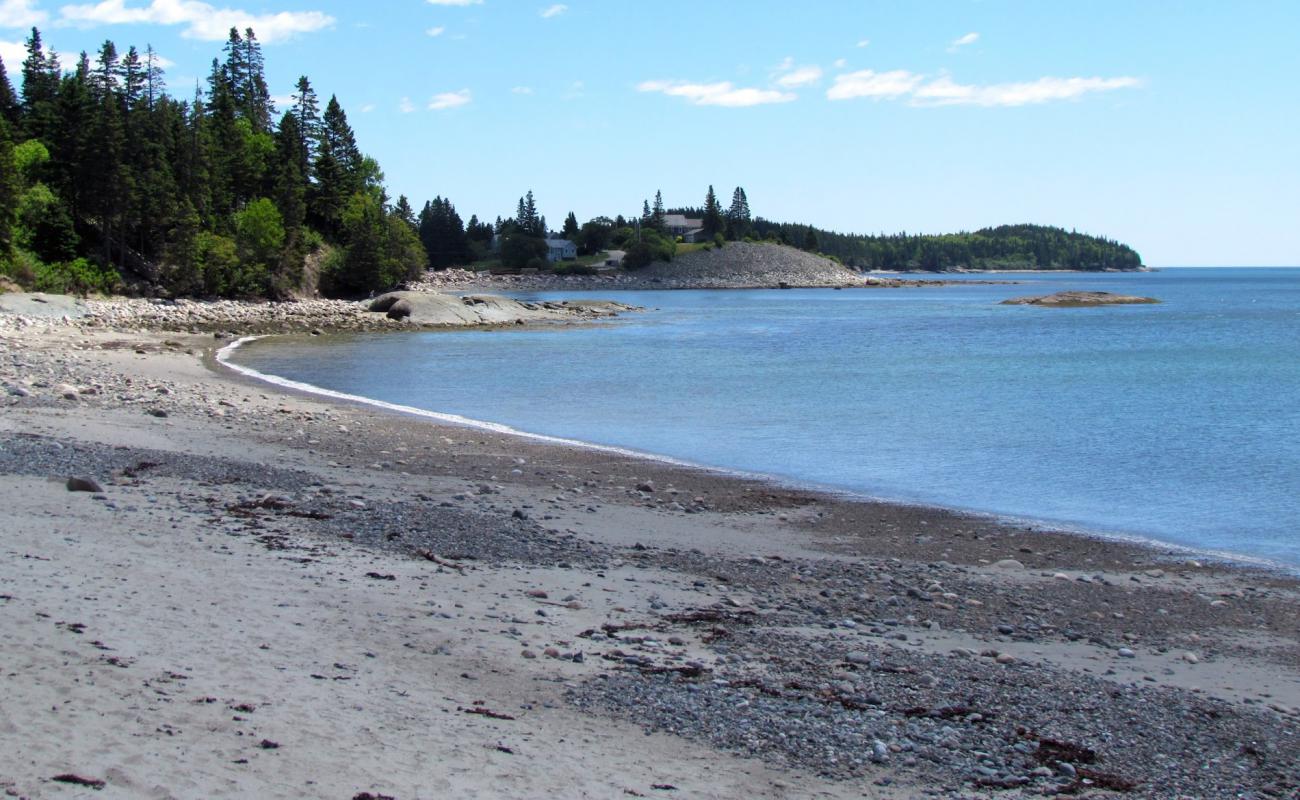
point(249, 317)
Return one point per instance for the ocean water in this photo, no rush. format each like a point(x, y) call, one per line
point(1178, 422)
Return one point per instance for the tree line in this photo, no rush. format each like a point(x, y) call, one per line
point(1003, 247)
point(108, 182)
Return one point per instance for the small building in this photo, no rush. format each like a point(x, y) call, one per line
point(560, 250)
point(691, 230)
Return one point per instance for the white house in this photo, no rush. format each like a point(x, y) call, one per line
point(560, 250)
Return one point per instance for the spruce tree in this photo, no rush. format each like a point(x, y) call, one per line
point(154, 85)
point(657, 212)
point(570, 230)
point(9, 109)
point(713, 223)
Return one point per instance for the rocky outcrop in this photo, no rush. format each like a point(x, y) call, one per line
point(434, 309)
point(1079, 300)
point(738, 265)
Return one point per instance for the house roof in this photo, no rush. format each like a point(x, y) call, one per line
point(556, 244)
point(681, 221)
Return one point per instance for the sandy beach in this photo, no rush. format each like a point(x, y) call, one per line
point(264, 593)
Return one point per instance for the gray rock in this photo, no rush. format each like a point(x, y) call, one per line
point(84, 485)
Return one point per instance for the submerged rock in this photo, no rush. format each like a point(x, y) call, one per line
point(1078, 299)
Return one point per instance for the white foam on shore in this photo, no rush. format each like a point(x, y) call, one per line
point(1188, 551)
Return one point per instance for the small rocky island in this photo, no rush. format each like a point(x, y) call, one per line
point(1079, 300)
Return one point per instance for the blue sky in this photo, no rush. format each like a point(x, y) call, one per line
point(1172, 126)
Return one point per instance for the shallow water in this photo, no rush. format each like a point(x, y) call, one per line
point(1178, 421)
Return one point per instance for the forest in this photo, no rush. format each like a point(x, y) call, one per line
point(107, 183)
point(1003, 247)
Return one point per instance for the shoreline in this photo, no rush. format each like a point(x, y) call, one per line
point(400, 581)
point(222, 356)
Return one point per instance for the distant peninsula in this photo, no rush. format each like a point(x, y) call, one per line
point(1006, 247)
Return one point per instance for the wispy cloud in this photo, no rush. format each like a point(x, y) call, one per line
point(367, 108)
point(454, 2)
point(962, 41)
point(20, 14)
point(876, 85)
point(722, 93)
point(405, 105)
point(944, 91)
point(863, 42)
point(799, 76)
point(447, 100)
point(522, 90)
point(437, 30)
point(841, 63)
point(553, 10)
point(201, 20)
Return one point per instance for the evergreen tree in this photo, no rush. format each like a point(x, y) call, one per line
point(713, 222)
point(306, 110)
point(41, 77)
point(739, 222)
point(657, 213)
point(9, 109)
point(8, 195)
point(403, 211)
point(570, 230)
point(154, 84)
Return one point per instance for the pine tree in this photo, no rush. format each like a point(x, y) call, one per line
point(713, 222)
point(570, 230)
point(9, 110)
point(41, 77)
point(134, 78)
point(657, 213)
point(403, 211)
point(306, 110)
point(154, 84)
point(8, 194)
point(739, 222)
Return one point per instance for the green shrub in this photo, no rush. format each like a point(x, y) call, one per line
point(78, 276)
point(719, 241)
point(650, 249)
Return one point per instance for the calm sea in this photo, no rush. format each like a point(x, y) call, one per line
point(1178, 422)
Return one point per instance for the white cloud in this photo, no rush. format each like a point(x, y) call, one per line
point(863, 42)
point(367, 108)
point(876, 85)
point(553, 11)
point(454, 2)
point(522, 90)
point(437, 30)
point(962, 41)
point(841, 63)
point(447, 100)
point(406, 106)
point(723, 93)
point(943, 91)
point(20, 14)
point(13, 53)
point(800, 76)
point(201, 20)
